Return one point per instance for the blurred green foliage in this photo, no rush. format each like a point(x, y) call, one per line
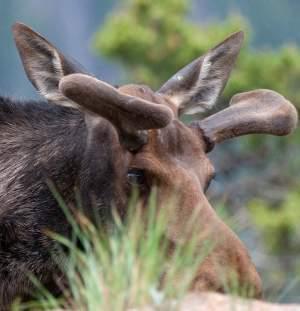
point(279, 228)
point(154, 39)
point(279, 224)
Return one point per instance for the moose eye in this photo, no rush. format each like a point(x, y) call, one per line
point(136, 176)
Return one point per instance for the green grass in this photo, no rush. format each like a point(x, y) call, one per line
point(127, 266)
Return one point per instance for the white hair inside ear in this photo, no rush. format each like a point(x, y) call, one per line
point(187, 102)
point(44, 64)
point(196, 87)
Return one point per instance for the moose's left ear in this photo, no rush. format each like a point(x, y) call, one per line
point(196, 87)
point(44, 64)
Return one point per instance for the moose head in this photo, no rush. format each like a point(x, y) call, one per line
point(152, 147)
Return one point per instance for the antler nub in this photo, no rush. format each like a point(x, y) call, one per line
point(259, 111)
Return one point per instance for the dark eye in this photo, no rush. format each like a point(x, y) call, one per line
point(136, 176)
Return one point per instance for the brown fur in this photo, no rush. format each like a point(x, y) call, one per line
point(176, 161)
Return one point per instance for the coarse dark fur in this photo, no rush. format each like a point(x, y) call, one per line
point(42, 142)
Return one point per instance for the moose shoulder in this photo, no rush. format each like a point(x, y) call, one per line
point(96, 139)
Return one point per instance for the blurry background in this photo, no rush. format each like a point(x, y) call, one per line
point(257, 189)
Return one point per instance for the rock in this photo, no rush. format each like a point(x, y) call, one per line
point(218, 302)
point(214, 301)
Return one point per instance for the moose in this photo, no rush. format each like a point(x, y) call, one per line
point(97, 139)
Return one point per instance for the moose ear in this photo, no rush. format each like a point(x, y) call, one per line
point(44, 65)
point(196, 87)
